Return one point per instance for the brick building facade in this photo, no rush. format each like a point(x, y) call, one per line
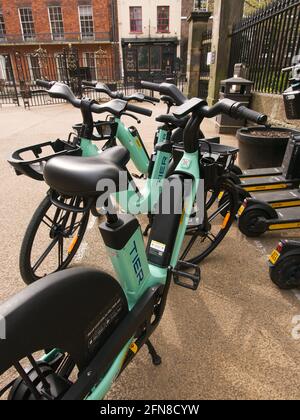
point(36, 28)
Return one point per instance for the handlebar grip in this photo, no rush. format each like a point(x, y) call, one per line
point(139, 110)
point(151, 86)
point(242, 112)
point(152, 99)
point(45, 84)
point(88, 83)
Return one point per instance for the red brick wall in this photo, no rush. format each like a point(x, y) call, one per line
point(103, 21)
point(101, 9)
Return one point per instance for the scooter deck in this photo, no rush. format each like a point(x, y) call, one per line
point(279, 199)
point(262, 172)
point(268, 183)
point(288, 218)
point(286, 215)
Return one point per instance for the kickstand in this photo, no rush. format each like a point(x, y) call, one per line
point(156, 359)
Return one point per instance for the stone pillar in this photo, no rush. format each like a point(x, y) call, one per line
point(198, 24)
point(226, 14)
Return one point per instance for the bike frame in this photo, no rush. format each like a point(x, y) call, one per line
point(136, 275)
point(133, 201)
point(132, 143)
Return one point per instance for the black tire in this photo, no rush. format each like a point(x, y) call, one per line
point(28, 273)
point(205, 239)
point(249, 223)
point(286, 273)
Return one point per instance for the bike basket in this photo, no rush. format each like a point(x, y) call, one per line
point(103, 130)
point(224, 155)
point(30, 161)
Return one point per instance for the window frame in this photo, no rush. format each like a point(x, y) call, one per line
point(136, 20)
point(28, 37)
point(159, 20)
point(203, 5)
point(56, 36)
point(83, 36)
point(2, 26)
point(87, 56)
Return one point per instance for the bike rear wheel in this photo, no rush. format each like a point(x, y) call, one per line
point(207, 237)
point(52, 239)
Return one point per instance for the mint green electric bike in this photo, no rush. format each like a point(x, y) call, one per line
point(91, 324)
point(65, 227)
point(58, 226)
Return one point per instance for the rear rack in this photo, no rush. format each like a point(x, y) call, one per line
point(33, 167)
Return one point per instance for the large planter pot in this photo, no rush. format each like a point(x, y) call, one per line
point(262, 147)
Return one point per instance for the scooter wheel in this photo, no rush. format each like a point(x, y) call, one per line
point(286, 273)
point(250, 223)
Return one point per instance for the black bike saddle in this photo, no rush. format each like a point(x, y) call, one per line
point(62, 311)
point(79, 176)
point(171, 120)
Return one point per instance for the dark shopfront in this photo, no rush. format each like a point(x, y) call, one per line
point(149, 59)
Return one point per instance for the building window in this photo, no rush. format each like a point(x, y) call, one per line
point(89, 61)
point(62, 75)
point(2, 26)
point(155, 58)
point(27, 23)
point(143, 59)
point(136, 20)
point(86, 22)
point(34, 67)
point(201, 5)
point(56, 22)
point(163, 19)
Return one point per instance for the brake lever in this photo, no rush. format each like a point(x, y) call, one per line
point(149, 102)
point(132, 116)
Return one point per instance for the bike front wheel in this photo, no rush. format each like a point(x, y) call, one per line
point(52, 239)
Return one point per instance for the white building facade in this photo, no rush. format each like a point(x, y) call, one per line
point(150, 33)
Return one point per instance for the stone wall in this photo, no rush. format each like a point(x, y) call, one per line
point(273, 106)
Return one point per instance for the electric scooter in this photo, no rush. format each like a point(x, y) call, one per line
point(284, 261)
point(260, 214)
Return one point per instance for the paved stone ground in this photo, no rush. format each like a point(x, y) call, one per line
point(235, 338)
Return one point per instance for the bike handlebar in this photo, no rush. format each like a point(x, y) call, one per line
point(166, 89)
point(89, 83)
point(151, 99)
point(138, 110)
point(235, 110)
point(45, 84)
point(115, 107)
point(100, 87)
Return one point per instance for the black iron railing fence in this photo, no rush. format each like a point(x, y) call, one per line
point(266, 42)
point(19, 72)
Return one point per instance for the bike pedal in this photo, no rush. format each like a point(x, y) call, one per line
point(185, 279)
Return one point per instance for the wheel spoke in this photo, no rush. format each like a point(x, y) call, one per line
point(44, 255)
point(219, 211)
point(50, 227)
point(72, 229)
point(60, 251)
point(188, 248)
